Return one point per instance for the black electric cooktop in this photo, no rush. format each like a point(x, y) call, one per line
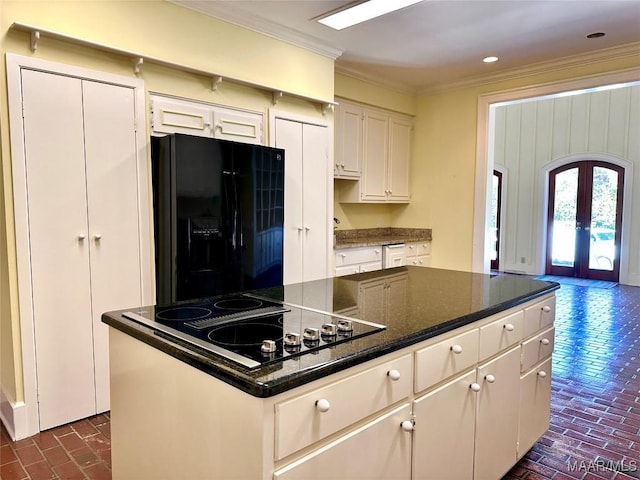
point(251, 331)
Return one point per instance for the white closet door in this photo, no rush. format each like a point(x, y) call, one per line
point(112, 185)
point(288, 136)
point(55, 167)
point(315, 209)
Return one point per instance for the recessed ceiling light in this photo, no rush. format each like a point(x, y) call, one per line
point(596, 35)
point(490, 59)
point(362, 12)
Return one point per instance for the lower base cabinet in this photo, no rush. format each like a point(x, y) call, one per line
point(377, 450)
point(498, 414)
point(387, 419)
point(443, 440)
point(535, 397)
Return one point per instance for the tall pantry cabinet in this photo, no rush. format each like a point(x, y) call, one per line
point(308, 175)
point(85, 229)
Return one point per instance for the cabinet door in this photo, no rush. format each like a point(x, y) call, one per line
point(379, 449)
point(374, 169)
point(289, 136)
point(315, 185)
point(170, 115)
point(238, 126)
point(59, 246)
point(307, 222)
point(535, 401)
point(497, 419)
point(349, 140)
point(114, 230)
point(443, 438)
point(399, 155)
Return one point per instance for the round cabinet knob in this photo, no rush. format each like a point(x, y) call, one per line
point(546, 309)
point(394, 375)
point(343, 255)
point(97, 236)
point(509, 327)
point(82, 236)
point(490, 378)
point(323, 405)
point(456, 349)
point(542, 374)
point(408, 426)
point(545, 341)
point(475, 387)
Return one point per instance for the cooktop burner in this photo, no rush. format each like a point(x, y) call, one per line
point(179, 314)
point(251, 331)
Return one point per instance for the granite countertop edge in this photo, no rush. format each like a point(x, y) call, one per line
point(233, 375)
point(367, 237)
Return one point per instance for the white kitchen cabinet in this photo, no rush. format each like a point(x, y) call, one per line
point(444, 435)
point(85, 228)
point(463, 421)
point(174, 115)
point(394, 255)
point(300, 421)
point(535, 397)
point(377, 450)
point(308, 220)
point(418, 253)
point(386, 152)
point(348, 150)
point(357, 260)
point(498, 414)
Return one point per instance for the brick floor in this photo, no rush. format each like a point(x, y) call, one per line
point(80, 450)
point(595, 405)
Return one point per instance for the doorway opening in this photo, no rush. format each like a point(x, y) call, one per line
point(496, 211)
point(584, 220)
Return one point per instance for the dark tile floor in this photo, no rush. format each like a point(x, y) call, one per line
point(595, 405)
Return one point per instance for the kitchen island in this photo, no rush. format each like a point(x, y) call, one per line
point(456, 386)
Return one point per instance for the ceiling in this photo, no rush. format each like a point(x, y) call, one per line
point(434, 44)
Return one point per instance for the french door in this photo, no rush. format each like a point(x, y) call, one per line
point(584, 220)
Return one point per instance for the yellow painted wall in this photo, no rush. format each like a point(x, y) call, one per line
point(158, 29)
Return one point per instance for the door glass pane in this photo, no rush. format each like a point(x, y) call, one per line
point(602, 250)
point(564, 218)
point(494, 217)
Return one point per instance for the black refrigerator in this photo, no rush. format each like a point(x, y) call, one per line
point(218, 216)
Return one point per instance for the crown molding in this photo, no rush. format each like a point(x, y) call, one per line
point(361, 76)
point(256, 24)
point(606, 54)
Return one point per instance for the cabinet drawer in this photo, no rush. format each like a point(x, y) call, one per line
point(420, 261)
point(537, 348)
point(539, 315)
point(500, 334)
point(351, 256)
point(347, 270)
point(446, 358)
point(299, 421)
point(379, 449)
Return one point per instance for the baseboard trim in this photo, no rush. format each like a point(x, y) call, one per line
point(14, 417)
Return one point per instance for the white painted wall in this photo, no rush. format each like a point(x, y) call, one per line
point(532, 136)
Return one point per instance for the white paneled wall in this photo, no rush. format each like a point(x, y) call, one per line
point(533, 136)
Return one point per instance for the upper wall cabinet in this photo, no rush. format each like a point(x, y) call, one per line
point(172, 115)
point(373, 146)
point(348, 150)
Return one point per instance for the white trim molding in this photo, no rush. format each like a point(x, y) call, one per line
point(13, 417)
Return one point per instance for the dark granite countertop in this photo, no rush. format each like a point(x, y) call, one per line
point(364, 237)
point(437, 301)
